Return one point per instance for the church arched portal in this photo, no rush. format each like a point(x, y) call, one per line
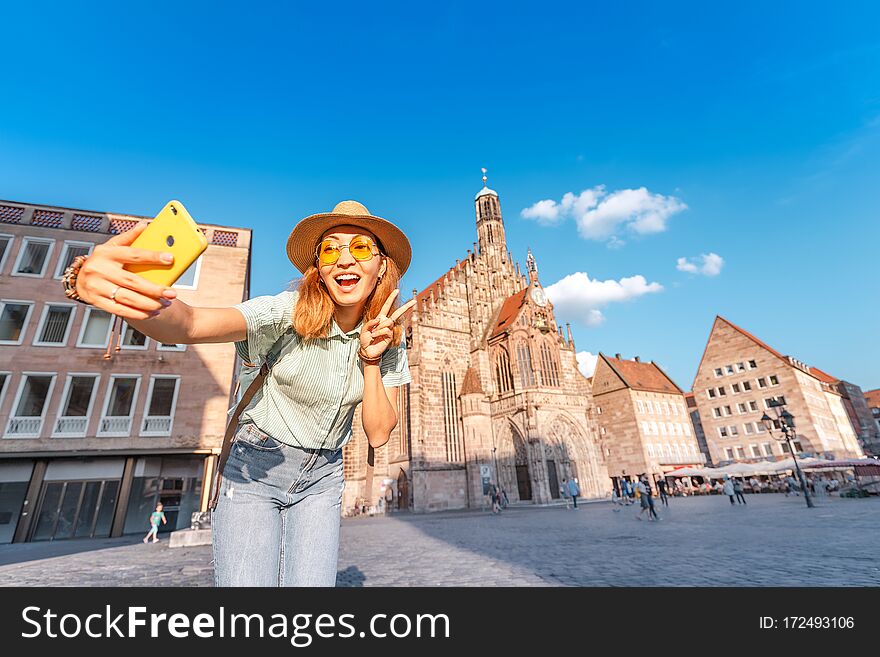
point(523, 479)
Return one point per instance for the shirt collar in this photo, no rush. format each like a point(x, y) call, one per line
point(353, 334)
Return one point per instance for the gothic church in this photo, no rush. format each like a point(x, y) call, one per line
point(496, 393)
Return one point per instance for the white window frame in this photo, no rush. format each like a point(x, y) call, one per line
point(63, 402)
point(640, 406)
point(654, 429)
point(36, 342)
point(23, 249)
point(82, 330)
point(751, 366)
point(59, 273)
point(767, 448)
point(129, 347)
point(722, 431)
point(145, 417)
point(726, 410)
point(747, 386)
point(666, 409)
point(719, 372)
point(646, 428)
point(757, 406)
point(716, 412)
point(649, 406)
point(5, 256)
point(728, 452)
point(735, 389)
point(729, 370)
point(12, 416)
point(739, 448)
point(758, 381)
point(756, 452)
point(650, 447)
point(195, 285)
point(741, 408)
point(749, 428)
point(27, 319)
point(134, 403)
point(740, 367)
point(733, 430)
point(5, 386)
point(711, 393)
point(176, 347)
point(770, 380)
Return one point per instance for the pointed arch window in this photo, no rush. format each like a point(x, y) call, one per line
point(503, 376)
point(549, 367)
point(451, 421)
point(524, 363)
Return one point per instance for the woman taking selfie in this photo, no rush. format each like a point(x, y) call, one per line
point(334, 342)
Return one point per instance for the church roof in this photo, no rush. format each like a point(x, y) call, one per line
point(437, 286)
point(486, 192)
point(642, 376)
point(873, 398)
point(509, 311)
point(471, 382)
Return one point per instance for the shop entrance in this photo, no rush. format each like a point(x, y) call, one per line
point(75, 509)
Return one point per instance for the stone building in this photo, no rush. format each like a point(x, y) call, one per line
point(697, 425)
point(644, 425)
point(740, 378)
point(860, 416)
point(872, 398)
point(496, 392)
point(98, 422)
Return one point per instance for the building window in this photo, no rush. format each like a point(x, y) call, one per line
point(671, 428)
point(718, 371)
point(768, 449)
point(716, 412)
point(26, 421)
point(749, 427)
point(119, 405)
point(753, 365)
point(687, 429)
point(728, 452)
point(774, 380)
point(5, 248)
point(76, 405)
point(762, 382)
point(650, 407)
point(760, 427)
point(33, 257)
point(654, 429)
point(650, 450)
point(728, 411)
point(740, 453)
point(503, 377)
point(14, 317)
point(662, 428)
point(741, 408)
point(405, 422)
point(524, 362)
point(740, 367)
point(735, 388)
point(722, 392)
point(728, 369)
point(747, 386)
point(549, 367)
point(450, 418)
point(770, 402)
point(4, 379)
point(95, 331)
point(55, 324)
point(132, 338)
point(722, 431)
point(646, 428)
point(755, 451)
point(161, 402)
point(753, 405)
point(189, 280)
point(733, 430)
point(785, 449)
point(70, 251)
point(640, 406)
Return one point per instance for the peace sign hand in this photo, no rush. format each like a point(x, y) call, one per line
point(377, 334)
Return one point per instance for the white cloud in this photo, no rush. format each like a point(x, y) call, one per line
point(708, 264)
point(601, 215)
point(587, 362)
point(580, 297)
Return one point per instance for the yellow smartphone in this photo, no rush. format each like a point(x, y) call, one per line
point(173, 230)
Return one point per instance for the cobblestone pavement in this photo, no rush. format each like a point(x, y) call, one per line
point(773, 541)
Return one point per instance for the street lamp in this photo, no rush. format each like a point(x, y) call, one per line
point(786, 426)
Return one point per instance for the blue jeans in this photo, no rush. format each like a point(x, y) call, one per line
point(277, 519)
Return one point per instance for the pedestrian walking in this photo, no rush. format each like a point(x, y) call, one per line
point(493, 498)
point(563, 490)
point(157, 517)
point(574, 490)
point(738, 491)
point(661, 488)
point(616, 500)
point(322, 348)
point(727, 488)
point(641, 492)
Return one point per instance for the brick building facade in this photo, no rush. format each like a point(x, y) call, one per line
point(644, 424)
point(98, 422)
point(496, 392)
point(738, 379)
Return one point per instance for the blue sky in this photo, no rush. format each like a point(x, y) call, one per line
point(754, 132)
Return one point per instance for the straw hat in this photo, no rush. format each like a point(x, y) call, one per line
point(307, 233)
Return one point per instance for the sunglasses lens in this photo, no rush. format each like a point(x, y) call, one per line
point(328, 252)
point(361, 248)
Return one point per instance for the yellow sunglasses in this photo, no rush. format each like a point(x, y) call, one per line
point(360, 248)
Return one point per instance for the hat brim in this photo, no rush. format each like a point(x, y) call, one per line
point(307, 233)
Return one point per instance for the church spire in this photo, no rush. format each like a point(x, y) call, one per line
point(490, 226)
point(532, 267)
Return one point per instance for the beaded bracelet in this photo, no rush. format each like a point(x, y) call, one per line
point(68, 279)
point(366, 360)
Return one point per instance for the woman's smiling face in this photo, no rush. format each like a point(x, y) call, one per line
point(349, 281)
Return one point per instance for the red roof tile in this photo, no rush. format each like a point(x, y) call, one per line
point(509, 311)
point(642, 376)
point(822, 376)
point(873, 398)
point(471, 382)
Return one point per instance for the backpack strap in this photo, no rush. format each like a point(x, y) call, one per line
point(232, 424)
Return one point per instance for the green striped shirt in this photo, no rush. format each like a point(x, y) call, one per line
point(310, 395)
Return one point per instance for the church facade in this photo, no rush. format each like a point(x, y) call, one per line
point(496, 394)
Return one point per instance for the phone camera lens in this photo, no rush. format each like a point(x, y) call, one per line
point(169, 240)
